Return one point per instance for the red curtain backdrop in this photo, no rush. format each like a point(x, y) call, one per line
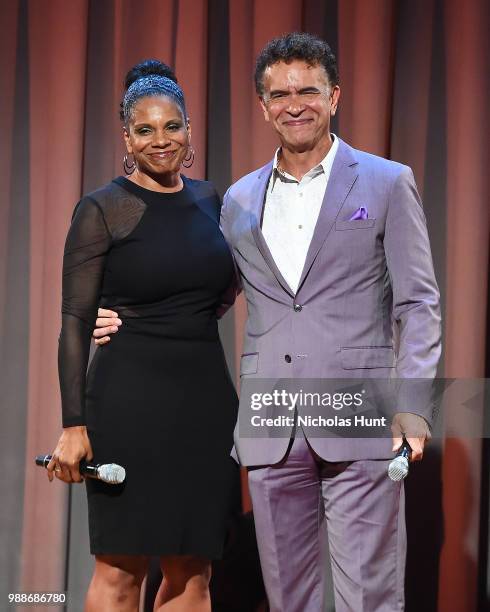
point(415, 81)
point(467, 142)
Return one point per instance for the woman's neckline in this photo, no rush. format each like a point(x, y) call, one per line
point(138, 189)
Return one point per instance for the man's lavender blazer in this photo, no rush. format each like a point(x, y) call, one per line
point(362, 278)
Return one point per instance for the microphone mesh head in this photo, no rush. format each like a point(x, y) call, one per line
point(112, 473)
point(398, 468)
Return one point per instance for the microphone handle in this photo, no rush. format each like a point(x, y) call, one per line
point(43, 460)
point(91, 470)
point(404, 451)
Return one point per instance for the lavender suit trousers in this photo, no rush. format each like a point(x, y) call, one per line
point(365, 516)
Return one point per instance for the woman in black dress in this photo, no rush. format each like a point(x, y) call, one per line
point(158, 399)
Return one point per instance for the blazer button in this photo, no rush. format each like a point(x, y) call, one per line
point(287, 358)
point(298, 308)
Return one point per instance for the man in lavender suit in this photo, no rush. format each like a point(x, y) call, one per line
point(332, 249)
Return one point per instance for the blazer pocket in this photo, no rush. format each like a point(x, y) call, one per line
point(355, 224)
point(354, 358)
point(249, 363)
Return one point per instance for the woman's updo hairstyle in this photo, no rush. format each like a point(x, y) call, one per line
point(150, 78)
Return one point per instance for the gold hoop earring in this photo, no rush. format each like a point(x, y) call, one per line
point(129, 168)
point(189, 158)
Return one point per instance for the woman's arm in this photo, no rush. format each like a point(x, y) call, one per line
point(86, 248)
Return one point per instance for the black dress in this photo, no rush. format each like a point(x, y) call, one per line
point(158, 398)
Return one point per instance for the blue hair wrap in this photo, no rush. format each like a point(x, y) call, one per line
point(152, 85)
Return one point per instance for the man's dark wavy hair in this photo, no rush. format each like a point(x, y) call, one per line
point(296, 46)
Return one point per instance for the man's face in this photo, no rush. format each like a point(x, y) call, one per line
point(299, 101)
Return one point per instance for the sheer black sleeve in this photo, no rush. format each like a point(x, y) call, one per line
point(86, 248)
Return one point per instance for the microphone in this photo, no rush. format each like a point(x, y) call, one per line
point(398, 468)
point(111, 473)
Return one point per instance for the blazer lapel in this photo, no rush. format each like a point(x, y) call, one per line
point(342, 178)
point(256, 209)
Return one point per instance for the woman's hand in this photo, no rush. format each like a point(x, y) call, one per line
point(72, 447)
point(106, 323)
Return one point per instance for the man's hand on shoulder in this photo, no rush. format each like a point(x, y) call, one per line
point(414, 429)
point(107, 323)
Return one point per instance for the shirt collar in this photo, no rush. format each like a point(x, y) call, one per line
point(324, 166)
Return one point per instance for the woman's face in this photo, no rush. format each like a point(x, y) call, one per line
point(158, 136)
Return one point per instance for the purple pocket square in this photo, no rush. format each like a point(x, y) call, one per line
point(361, 213)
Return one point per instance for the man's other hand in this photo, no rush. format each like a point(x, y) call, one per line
point(107, 323)
point(414, 429)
